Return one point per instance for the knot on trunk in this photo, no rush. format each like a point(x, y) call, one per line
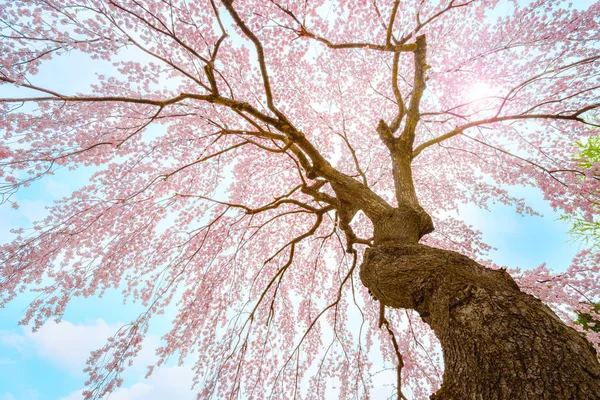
point(416, 276)
point(405, 224)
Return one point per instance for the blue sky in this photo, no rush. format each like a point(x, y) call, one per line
point(48, 364)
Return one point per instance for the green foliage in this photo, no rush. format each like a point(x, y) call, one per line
point(587, 321)
point(588, 232)
point(585, 229)
point(589, 152)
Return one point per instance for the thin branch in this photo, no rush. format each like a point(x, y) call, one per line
point(421, 25)
point(260, 55)
point(316, 319)
point(393, 48)
point(383, 321)
point(458, 130)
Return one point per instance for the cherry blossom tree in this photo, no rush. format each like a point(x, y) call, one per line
point(288, 174)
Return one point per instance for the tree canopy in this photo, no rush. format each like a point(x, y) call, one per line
point(248, 153)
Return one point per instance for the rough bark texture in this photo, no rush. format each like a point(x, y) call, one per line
point(406, 224)
point(498, 342)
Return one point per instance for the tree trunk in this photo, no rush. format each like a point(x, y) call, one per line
point(498, 342)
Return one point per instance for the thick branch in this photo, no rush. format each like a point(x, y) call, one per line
point(390, 28)
point(395, 125)
point(412, 116)
point(385, 133)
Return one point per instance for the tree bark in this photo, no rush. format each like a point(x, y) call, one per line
point(498, 342)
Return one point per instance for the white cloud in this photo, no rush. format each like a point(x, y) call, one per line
point(137, 391)
point(22, 217)
point(33, 394)
point(7, 396)
point(56, 189)
point(489, 222)
point(165, 383)
point(7, 220)
point(12, 339)
point(33, 210)
point(7, 361)
point(69, 345)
